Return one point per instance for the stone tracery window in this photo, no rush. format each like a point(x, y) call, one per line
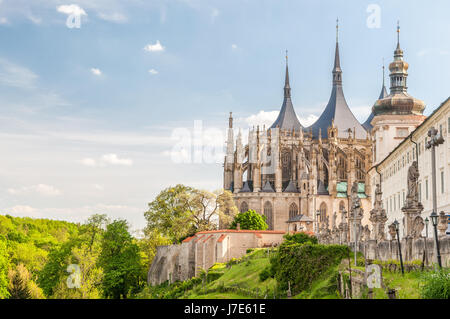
point(341, 168)
point(323, 212)
point(293, 210)
point(286, 165)
point(269, 214)
point(360, 169)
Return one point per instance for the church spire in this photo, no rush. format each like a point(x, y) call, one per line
point(287, 119)
point(337, 72)
point(398, 68)
point(383, 92)
point(287, 87)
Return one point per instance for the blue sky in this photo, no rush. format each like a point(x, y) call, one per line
point(87, 114)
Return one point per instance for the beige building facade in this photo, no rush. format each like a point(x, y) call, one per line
point(393, 170)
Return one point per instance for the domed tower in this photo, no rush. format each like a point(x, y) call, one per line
point(398, 114)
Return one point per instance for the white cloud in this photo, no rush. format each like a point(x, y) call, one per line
point(261, 118)
point(268, 117)
point(96, 71)
point(153, 71)
point(308, 120)
point(157, 47)
point(234, 46)
point(111, 159)
point(116, 17)
point(115, 160)
point(4, 20)
point(15, 75)
point(71, 9)
point(89, 162)
point(214, 13)
point(41, 189)
point(98, 187)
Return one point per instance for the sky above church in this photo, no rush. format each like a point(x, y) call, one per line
point(104, 103)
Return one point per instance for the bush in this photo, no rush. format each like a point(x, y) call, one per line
point(300, 238)
point(265, 274)
point(250, 220)
point(301, 264)
point(436, 285)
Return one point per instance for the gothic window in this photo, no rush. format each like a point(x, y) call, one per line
point(269, 214)
point(244, 207)
point(341, 168)
point(293, 210)
point(323, 212)
point(360, 172)
point(286, 165)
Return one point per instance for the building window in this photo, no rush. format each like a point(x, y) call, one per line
point(420, 192)
point(269, 214)
point(426, 189)
point(442, 182)
point(402, 131)
point(403, 197)
point(293, 210)
point(448, 126)
point(244, 207)
point(323, 212)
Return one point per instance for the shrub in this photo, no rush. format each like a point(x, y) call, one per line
point(300, 238)
point(436, 285)
point(250, 220)
point(301, 264)
point(265, 274)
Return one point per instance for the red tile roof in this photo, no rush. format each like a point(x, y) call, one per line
point(199, 237)
point(207, 238)
point(188, 239)
point(221, 238)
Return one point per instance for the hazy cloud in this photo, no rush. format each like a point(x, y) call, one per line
point(157, 47)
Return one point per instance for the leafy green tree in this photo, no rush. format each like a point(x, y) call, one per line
point(181, 211)
point(121, 262)
point(18, 283)
point(4, 265)
point(95, 226)
point(54, 270)
point(90, 275)
point(250, 220)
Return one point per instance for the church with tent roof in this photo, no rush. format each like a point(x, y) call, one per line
point(301, 178)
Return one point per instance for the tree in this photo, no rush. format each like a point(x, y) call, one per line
point(95, 225)
point(121, 262)
point(89, 276)
point(4, 265)
point(18, 283)
point(181, 211)
point(55, 268)
point(148, 246)
point(250, 220)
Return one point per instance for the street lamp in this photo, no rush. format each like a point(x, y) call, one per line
point(399, 246)
point(435, 140)
point(434, 221)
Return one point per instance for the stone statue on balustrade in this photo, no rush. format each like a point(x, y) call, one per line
point(417, 227)
point(356, 213)
point(366, 233)
point(412, 207)
point(378, 216)
point(392, 231)
point(442, 224)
